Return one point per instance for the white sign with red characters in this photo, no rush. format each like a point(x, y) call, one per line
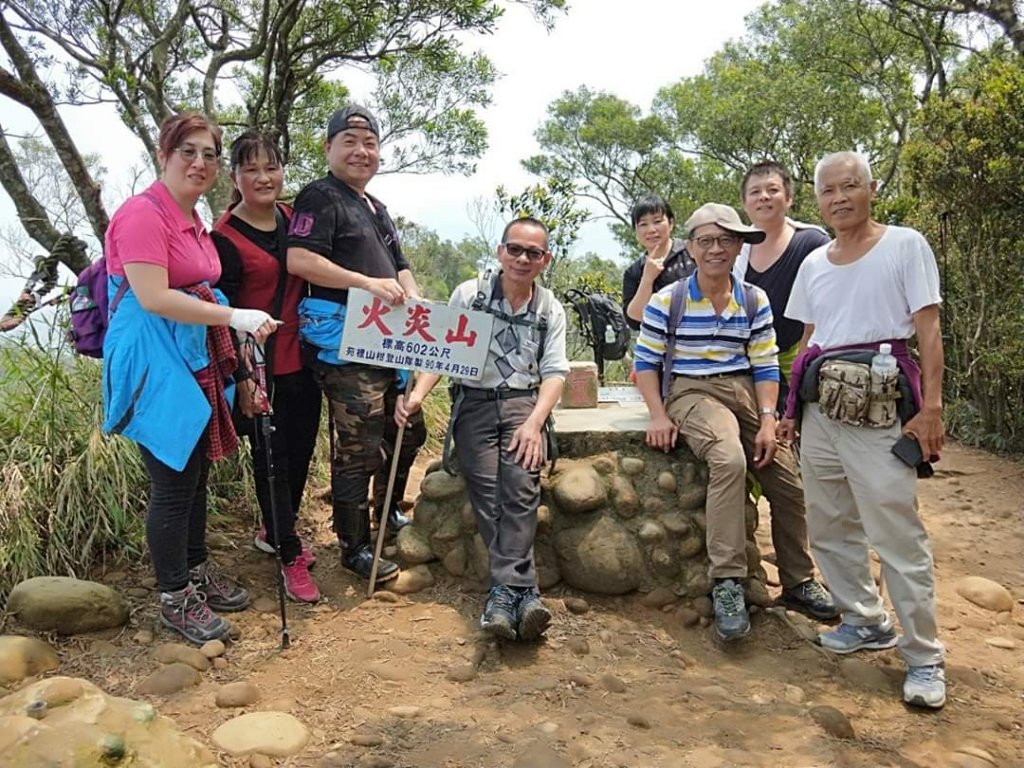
point(420, 335)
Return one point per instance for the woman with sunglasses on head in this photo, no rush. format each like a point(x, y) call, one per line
point(250, 239)
point(168, 361)
point(767, 193)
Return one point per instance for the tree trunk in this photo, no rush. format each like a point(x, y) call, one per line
point(36, 97)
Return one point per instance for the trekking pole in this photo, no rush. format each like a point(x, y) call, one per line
point(265, 427)
point(383, 526)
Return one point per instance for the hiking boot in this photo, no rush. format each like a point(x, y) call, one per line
point(925, 686)
point(732, 621)
point(395, 522)
point(534, 616)
point(812, 599)
point(298, 584)
point(847, 638)
point(500, 610)
point(359, 560)
point(186, 612)
point(261, 543)
point(221, 593)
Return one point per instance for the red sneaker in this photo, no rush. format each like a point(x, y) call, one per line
point(298, 583)
point(261, 543)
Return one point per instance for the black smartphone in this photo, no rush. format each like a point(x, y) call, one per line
point(908, 450)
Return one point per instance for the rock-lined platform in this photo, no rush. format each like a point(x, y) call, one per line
point(615, 516)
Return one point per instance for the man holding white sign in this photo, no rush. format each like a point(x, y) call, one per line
point(340, 238)
point(500, 423)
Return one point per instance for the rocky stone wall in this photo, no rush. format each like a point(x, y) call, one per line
point(615, 518)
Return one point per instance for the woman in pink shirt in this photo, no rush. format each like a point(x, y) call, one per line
point(168, 345)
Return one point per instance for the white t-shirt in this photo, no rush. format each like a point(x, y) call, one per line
point(871, 299)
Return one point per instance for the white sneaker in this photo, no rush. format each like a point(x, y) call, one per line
point(925, 686)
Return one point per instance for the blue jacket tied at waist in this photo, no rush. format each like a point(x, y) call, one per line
point(150, 393)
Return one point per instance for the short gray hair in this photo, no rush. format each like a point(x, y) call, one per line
point(859, 162)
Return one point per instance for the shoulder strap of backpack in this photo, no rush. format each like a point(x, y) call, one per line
point(749, 301)
point(540, 305)
point(484, 291)
point(282, 282)
point(675, 314)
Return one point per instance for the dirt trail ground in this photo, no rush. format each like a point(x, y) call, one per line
point(682, 702)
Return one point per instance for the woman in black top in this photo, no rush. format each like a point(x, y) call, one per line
point(666, 259)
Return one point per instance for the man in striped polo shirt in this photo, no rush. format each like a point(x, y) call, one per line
point(722, 402)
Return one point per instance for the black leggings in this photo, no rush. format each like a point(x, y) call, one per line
point(176, 520)
point(296, 422)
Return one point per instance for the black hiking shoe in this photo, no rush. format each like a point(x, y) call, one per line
point(500, 612)
point(359, 560)
point(534, 616)
point(186, 612)
point(810, 598)
point(396, 522)
point(220, 592)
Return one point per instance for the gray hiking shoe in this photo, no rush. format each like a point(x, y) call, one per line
point(500, 611)
point(848, 638)
point(534, 616)
point(732, 621)
point(221, 593)
point(925, 686)
point(186, 612)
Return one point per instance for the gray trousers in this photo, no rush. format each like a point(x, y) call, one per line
point(859, 494)
point(504, 496)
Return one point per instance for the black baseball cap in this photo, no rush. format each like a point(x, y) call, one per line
point(341, 120)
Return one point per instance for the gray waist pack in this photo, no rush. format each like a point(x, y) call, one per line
point(809, 384)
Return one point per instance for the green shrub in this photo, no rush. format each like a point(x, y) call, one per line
point(68, 494)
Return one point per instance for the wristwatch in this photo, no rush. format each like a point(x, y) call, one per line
point(766, 411)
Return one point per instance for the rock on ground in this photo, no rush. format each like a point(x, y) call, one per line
point(169, 679)
point(832, 721)
point(985, 593)
point(238, 694)
point(411, 580)
point(66, 606)
point(84, 726)
point(22, 657)
point(267, 733)
point(170, 653)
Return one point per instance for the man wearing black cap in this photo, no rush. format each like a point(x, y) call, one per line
point(724, 383)
point(341, 237)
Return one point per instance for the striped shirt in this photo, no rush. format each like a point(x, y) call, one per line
point(708, 344)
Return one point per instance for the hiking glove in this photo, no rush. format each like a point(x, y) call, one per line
point(249, 320)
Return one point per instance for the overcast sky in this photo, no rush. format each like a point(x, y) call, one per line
point(630, 49)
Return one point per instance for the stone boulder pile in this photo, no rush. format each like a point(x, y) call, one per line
point(610, 523)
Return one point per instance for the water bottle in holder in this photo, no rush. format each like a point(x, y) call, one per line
point(885, 371)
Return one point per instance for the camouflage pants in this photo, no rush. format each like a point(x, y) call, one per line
point(362, 404)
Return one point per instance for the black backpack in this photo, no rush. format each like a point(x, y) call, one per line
point(602, 322)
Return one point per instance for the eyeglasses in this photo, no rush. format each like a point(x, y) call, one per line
point(189, 154)
point(724, 241)
point(515, 251)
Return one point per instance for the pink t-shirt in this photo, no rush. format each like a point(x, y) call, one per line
point(150, 228)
